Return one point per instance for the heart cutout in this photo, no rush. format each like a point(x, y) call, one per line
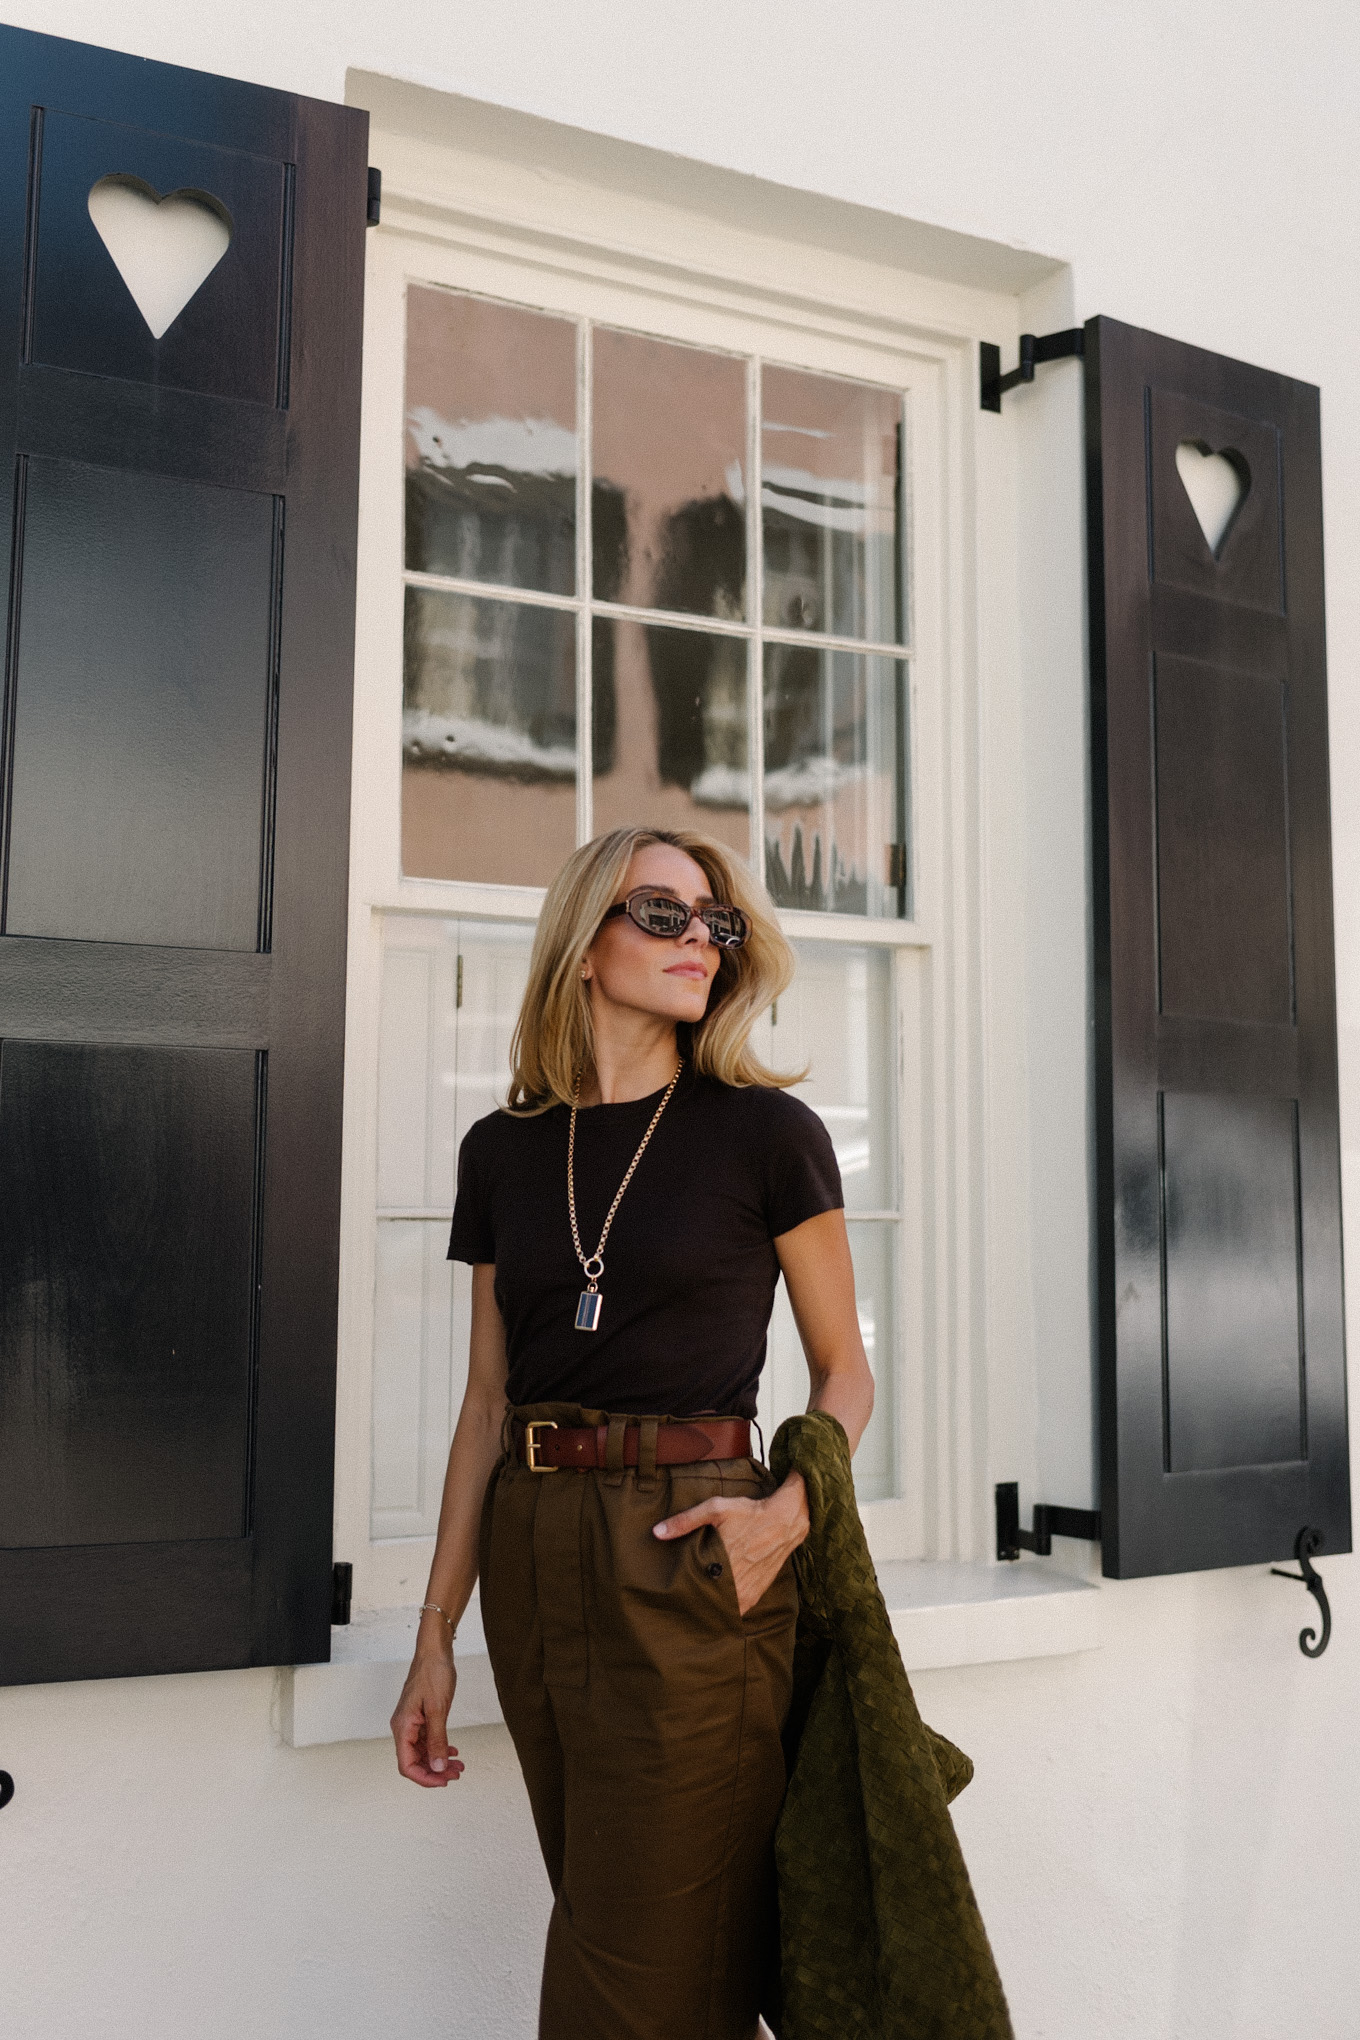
point(165, 249)
point(1217, 485)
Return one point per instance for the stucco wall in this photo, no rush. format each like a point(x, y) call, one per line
point(1165, 1833)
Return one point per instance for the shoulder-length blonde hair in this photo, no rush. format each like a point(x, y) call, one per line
point(553, 1042)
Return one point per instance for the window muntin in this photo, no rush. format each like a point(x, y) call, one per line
point(670, 724)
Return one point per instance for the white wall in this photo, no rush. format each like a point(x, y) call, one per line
point(1165, 1834)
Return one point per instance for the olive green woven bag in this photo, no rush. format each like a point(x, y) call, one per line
point(881, 1938)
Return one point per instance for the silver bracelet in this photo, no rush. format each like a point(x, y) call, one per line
point(433, 1608)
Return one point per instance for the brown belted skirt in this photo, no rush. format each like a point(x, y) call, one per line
point(646, 1712)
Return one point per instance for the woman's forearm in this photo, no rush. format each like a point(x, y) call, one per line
point(846, 1393)
point(453, 1571)
point(820, 1278)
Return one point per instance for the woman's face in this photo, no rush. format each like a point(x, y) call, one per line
point(649, 973)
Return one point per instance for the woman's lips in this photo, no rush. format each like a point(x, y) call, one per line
point(688, 970)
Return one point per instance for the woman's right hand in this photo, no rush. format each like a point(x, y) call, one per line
point(420, 1722)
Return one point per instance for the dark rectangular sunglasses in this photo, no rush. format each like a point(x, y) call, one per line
point(659, 913)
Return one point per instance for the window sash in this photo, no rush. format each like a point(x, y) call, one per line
point(450, 992)
point(753, 630)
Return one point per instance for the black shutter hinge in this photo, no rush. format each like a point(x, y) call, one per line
point(1050, 347)
point(6, 1788)
point(342, 1586)
point(1050, 1521)
point(1307, 1541)
point(375, 203)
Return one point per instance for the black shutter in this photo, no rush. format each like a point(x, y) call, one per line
point(178, 527)
point(1219, 1202)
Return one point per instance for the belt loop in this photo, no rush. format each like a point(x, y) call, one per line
point(613, 1446)
point(647, 1430)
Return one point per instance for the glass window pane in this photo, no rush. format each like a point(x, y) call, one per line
point(422, 1318)
point(669, 737)
point(873, 1248)
point(784, 1384)
point(488, 739)
point(668, 501)
point(451, 994)
point(495, 971)
point(836, 823)
point(836, 1021)
point(831, 519)
point(490, 442)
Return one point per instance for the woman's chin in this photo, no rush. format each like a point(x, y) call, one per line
point(677, 999)
point(684, 1002)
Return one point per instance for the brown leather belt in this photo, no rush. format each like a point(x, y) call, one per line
point(546, 1447)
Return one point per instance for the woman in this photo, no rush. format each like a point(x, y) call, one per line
point(637, 1588)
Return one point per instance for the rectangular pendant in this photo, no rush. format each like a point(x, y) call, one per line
point(588, 1311)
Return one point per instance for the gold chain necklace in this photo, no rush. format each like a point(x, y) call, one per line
point(592, 1265)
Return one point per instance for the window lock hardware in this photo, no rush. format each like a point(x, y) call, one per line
point(1064, 346)
point(1307, 1542)
point(1050, 1521)
point(342, 1587)
point(375, 209)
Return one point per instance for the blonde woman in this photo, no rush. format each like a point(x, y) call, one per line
point(627, 1217)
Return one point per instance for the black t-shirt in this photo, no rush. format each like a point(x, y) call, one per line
point(690, 1267)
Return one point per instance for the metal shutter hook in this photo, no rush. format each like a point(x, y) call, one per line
point(1308, 1540)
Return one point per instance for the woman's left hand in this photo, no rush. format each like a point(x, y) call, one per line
point(757, 1536)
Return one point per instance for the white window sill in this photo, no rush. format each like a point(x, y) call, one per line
point(942, 1615)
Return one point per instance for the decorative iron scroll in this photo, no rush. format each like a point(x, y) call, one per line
point(1307, 1541)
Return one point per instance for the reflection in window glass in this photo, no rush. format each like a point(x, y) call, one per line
point(668, 517)
point(670, 730)
point(836, 823)
point(488, 739)
point(831, 454)
point(490, 442)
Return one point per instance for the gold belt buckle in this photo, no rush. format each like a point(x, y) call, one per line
point(531, 1445)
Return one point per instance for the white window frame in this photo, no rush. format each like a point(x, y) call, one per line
point(469, 217)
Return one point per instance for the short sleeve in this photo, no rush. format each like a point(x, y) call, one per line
point(473, 1237)
point(803, 1177)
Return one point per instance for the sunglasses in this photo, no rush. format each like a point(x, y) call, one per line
point(663, 915)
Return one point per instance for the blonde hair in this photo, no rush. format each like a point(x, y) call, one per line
point(553, 1041)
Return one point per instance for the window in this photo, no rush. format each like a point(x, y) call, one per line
point(647, 545)
point(692, 577)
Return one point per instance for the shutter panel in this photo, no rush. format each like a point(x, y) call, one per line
point(177, 515)
point(1218, 1154)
